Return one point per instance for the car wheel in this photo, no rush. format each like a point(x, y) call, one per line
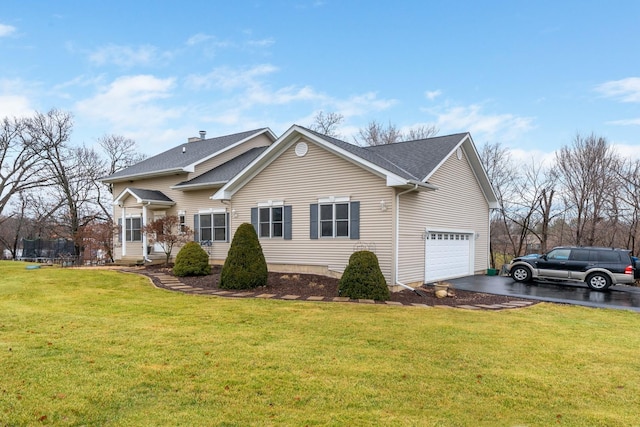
point(598, 281)
point(521, 274)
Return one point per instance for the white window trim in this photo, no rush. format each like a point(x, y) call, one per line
point(270, 207)
point(212, 211)
point(334, 199)
point(334, 220)
point(271, 203)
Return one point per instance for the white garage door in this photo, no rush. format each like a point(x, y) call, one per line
point(447, 255)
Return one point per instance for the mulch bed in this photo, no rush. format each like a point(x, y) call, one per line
point(306, 285)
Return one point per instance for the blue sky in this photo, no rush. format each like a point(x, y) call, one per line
point(527, 74)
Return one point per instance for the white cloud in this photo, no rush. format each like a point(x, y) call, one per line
point(261, 43)
point(15, 106)
point(125, 56)
point(359, 105)
point(131, 101)
point(15, 98)
point(431, 95)
point(228, 78)
point(481, 125)
point(6, 30)
point(625, 122)
point(626, 90)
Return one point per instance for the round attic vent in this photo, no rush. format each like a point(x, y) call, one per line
point(459, 153)
point(301, 149)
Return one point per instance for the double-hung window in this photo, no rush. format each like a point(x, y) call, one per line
point(335, 217)
point(182, 223)
point(133, 229)
point(211, 227)
point(271, 221)
point(334, 220)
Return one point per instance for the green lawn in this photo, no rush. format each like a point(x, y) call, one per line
point(102, 348)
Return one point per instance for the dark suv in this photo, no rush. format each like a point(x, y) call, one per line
point(599, 268)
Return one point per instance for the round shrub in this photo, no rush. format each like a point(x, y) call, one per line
point(363, 279)
point(245, 266)
point(192, 260)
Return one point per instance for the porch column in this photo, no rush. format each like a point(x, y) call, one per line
point(144, 235)
point(123, 231)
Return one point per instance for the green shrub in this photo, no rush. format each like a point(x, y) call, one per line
point(363, 279)
point(245, 266)
point(192, 260)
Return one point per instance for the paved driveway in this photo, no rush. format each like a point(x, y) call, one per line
point(619, 297)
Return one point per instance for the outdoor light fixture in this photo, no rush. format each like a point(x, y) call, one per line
point(383, 205)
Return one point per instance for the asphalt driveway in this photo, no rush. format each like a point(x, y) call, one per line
point(620, 297)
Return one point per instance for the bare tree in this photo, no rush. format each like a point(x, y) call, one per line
point(503, 176)
point(586, 171)
point(629, 179)
point(327, 124)
point(72, 170)
point(375, 133)
point(167, 233)
point(120, 152)
point(19, 160)
point(421, 132)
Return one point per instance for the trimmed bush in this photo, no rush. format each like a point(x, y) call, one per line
point(192, 260)
point(363, 279)
point(245, 266)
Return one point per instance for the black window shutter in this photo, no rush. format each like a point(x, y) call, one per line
point(196, 228)
point(254, 219)
point(227, 227)
point(287, 222)
point(354, 225)
point(120, 230)
point(313, 226)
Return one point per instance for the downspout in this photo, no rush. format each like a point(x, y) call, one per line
point(397, 240)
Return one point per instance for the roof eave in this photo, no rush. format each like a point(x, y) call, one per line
point(202, 186)
point(155, 174)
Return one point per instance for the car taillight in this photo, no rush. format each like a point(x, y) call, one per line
point(628, 270)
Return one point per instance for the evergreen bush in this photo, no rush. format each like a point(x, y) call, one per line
point(363, 279)
point(192, 260)
point(245, 266)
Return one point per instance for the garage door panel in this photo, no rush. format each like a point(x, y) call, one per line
point(447, 255)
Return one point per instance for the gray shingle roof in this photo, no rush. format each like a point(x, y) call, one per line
point(176, 160)
point(224, 172)
point(413, 160)
point(149, 195)
point(419, 157)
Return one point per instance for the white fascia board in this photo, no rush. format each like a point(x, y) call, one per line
point(445, 158)
point(251, 169)
point(192, 166)
point(145, 175)
point(479, 171)
point(292, 135)
point(202, 186)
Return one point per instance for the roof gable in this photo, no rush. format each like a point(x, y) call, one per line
point(144, 196)
point(404, 165)
point(185, 157)
point(221, 174)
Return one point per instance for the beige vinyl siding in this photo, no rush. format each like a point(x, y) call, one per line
point(300, 182)
point(190, 202)
point(458, 204)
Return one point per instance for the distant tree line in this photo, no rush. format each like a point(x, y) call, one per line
point(49, 188)
point(588, 196)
